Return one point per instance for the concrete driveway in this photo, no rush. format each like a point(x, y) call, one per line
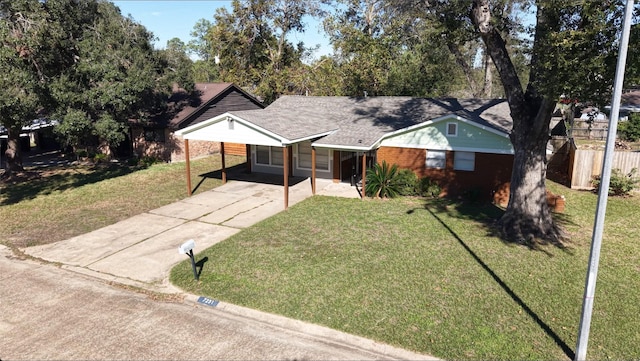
point(142, 250)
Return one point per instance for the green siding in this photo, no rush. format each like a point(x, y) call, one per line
point(434, 137)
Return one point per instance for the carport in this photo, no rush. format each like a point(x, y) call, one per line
point(241, 127)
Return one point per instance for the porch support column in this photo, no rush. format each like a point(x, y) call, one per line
point(186, 156)
point(224, 168)
point(285, 171)
point(313, 170)
point(248, 151)
point(364, 174)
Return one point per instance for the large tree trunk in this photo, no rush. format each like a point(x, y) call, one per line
point(13, 154)
point(527, 217)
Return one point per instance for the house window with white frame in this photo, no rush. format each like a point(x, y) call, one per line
point(269, 155)
point(464, 161)
point(452, 129)
point(304, 157)
point(436, 159)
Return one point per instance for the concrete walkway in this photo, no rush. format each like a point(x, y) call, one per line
point(140, 251)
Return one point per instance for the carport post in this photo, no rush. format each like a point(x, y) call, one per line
point(313, 170)
point(224, 169)
point(364, 174)
point(285, 168)
point(186, 156)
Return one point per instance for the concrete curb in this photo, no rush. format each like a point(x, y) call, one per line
point(325, 334)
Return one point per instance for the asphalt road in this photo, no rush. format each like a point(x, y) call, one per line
point(48, 312)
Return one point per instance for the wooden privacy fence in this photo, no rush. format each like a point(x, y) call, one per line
point(587, 163)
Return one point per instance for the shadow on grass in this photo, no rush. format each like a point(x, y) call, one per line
point(546, 328)
point(200, 265)
point(489, 214)
point(31, 184)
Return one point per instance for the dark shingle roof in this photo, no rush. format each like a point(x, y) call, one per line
point(361, 122)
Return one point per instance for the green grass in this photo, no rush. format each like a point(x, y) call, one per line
point(429, 277)
point(63, 202)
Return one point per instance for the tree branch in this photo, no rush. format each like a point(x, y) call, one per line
point(496, 47)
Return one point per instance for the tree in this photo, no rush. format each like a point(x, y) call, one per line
point(572, 53)
point(252, 43)
point(116, 76)
point(384, 49)
point(32, 51)
point(178, 65)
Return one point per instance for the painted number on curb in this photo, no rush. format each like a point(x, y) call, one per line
point(207, 301)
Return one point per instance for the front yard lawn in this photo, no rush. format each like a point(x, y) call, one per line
point(64, 201)
point(428, 276)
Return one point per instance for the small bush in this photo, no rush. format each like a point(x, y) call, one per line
point(427, 187)
point(620, 184)
point(100, 158)
point(473, 195)
point(630, 130)
point(148, 161)
point(407, 182)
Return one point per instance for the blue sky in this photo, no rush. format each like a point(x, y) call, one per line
point(168, 19)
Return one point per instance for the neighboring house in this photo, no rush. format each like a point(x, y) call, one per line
point(461, 143)
point(155, 138)
point(630, 102)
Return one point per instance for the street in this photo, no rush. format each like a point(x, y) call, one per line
point(48, 312)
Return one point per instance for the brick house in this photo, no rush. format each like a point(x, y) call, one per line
point(461, 143)
point(155, 138)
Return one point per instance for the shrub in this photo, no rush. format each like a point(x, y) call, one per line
point(148, 161)
point(407, 182)
point(630, 130)
point(427, 187)
point(100, 158)
point(82, 153)
point(473, 195)
point(382, 181)
point(620, 184)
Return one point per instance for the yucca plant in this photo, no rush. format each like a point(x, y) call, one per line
point(382, 181)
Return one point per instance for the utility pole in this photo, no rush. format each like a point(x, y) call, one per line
point(603, 193)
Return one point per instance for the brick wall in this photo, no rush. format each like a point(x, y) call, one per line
point(491, 172)
point(197, 148)
point(172, 148)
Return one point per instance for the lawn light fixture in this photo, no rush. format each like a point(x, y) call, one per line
point(187, 248)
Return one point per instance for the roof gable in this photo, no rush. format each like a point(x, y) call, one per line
point(184, 108)
point(467, 136)
point(232, 129)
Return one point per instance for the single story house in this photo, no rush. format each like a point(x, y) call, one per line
point(461, 143)
point(155, 137)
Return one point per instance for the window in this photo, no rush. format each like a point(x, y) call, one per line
point(269, 155)
point(276, 156)
point(304, 157)
point(452, 129)
point(262, 155)
point(464, 161)
point(436, 159)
